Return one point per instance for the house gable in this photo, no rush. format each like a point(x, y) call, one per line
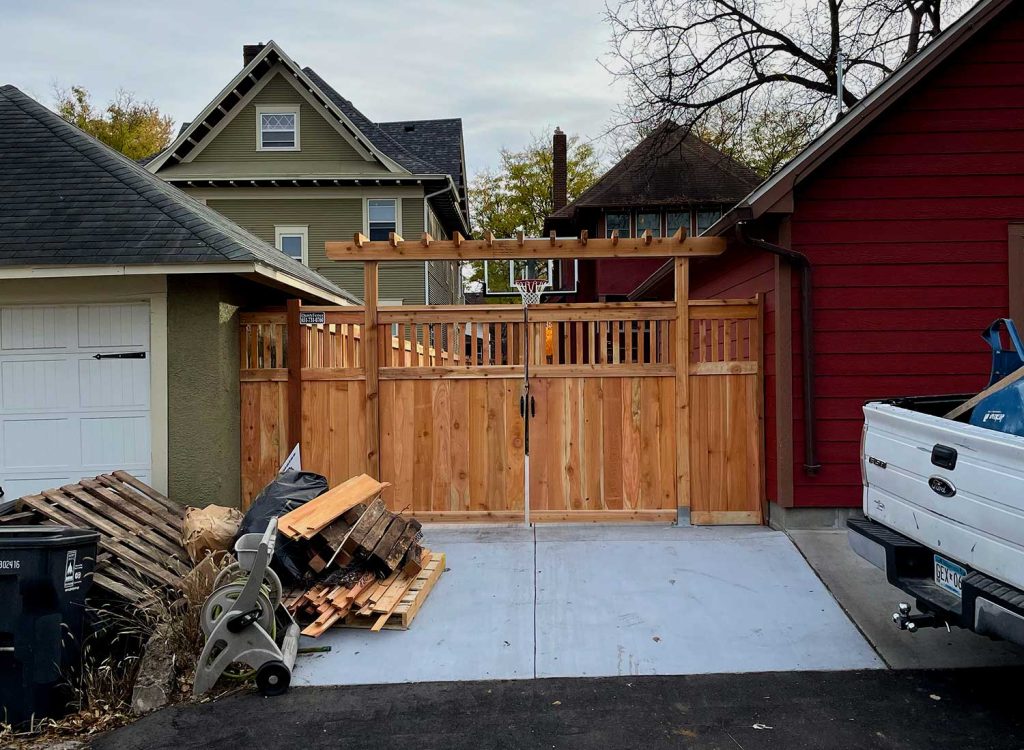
point(232, 100)
point(230, 150)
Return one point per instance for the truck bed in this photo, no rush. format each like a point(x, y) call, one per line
point(952, 487)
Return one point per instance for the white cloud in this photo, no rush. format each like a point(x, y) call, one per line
point(509, 69)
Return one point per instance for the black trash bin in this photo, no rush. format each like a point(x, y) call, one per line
point(45, 574)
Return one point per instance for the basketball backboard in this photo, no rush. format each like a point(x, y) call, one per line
point(499, 275)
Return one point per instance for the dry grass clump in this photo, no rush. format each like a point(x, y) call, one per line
point(112, 653)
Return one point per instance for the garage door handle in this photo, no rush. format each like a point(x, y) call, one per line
point(121, 355)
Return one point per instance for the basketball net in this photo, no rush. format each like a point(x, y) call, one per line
point(530, 290)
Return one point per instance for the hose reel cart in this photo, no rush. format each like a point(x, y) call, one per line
point(241, 617)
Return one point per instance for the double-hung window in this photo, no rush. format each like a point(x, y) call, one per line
point(277, 128)
point(293, 241)
point(616, 221)
point(383, 217)
point(650, 221)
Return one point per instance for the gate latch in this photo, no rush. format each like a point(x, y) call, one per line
point(121, 355)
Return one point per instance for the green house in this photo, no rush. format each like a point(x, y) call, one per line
point(281, 153)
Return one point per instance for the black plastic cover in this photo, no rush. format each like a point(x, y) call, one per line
point(288, 491)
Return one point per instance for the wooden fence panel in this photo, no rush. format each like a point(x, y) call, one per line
point(334, 428)
point(726, 443)
point(452, 448)
point(603, 448)
point(610, 438)
point(264, 420)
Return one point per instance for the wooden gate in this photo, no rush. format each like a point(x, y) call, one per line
point(431, 399)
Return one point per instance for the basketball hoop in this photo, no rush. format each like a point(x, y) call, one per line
point(530, 290)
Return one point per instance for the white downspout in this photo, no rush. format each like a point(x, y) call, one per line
point(426, 263)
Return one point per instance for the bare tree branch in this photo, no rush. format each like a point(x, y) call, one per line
point(685, 60)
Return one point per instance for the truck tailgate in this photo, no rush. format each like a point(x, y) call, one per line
point(972, 512)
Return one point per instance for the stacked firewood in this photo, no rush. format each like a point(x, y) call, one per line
point(364, 559)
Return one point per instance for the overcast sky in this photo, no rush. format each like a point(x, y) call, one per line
point(508, 69)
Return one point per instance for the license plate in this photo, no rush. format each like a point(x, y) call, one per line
point(949, 575)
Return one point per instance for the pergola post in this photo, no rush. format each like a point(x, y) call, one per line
point(295, 361)
point(371, 366)
point(682, 363)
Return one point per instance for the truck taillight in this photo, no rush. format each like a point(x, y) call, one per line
point(863, 455)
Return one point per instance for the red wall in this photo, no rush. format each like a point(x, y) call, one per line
point(906, 230)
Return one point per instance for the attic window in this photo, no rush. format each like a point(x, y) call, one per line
point(277, 129)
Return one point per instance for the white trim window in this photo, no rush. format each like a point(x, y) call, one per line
point(616, 221)
point(277, 128)
point(381, 218)
point(293, 241)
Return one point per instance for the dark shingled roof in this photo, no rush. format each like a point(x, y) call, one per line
point(421, 146)
point(671, 166)
point(387, 145)
point(437, 141)
point(67, 199)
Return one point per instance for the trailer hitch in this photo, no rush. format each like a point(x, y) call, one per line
point(906, 621)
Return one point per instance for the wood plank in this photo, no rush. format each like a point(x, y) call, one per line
point(493, 372)
point(81, 505)
point(172, 518)
point(682, 372)
point(725, 517)
point(308, 519)
point(149, 520)
point(108, 543)
point(970, 403)
point(148, 491)
point(513, 249)
point(295, 363)
point(371, 365)
point(724, 368)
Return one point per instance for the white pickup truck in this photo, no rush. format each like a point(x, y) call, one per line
point(944, 515)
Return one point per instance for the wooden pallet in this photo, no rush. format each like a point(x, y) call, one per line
point(401, 617)
point(139, 528)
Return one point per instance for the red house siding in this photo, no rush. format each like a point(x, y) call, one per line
point(906, 230)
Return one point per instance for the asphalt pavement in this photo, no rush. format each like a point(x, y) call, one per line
point(956, 709)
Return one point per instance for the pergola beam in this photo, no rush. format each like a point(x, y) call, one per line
point(521, 248)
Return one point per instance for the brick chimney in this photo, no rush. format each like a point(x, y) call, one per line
point(559, 171)
point(249, 51)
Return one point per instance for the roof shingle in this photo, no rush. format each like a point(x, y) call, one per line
point(671, 166)
point(66, 198)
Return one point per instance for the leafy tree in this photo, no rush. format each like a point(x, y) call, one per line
point(518, 195)
point(764, 140)
point(133, 127)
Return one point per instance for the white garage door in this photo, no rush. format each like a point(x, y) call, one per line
point(74, 394)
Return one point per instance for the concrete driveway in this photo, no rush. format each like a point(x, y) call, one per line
point(575, 601)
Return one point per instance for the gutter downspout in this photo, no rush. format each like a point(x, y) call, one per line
point(426, 263)
point(811, 465)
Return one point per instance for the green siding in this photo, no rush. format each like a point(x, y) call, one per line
point(329, 219)
point(318, 140)
point(412, 218)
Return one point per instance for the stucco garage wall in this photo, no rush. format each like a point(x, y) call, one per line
point(202, 378)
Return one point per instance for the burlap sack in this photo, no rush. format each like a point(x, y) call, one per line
point(209, 529)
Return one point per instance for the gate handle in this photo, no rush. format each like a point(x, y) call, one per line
point(533, 407)
point(522, 406)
